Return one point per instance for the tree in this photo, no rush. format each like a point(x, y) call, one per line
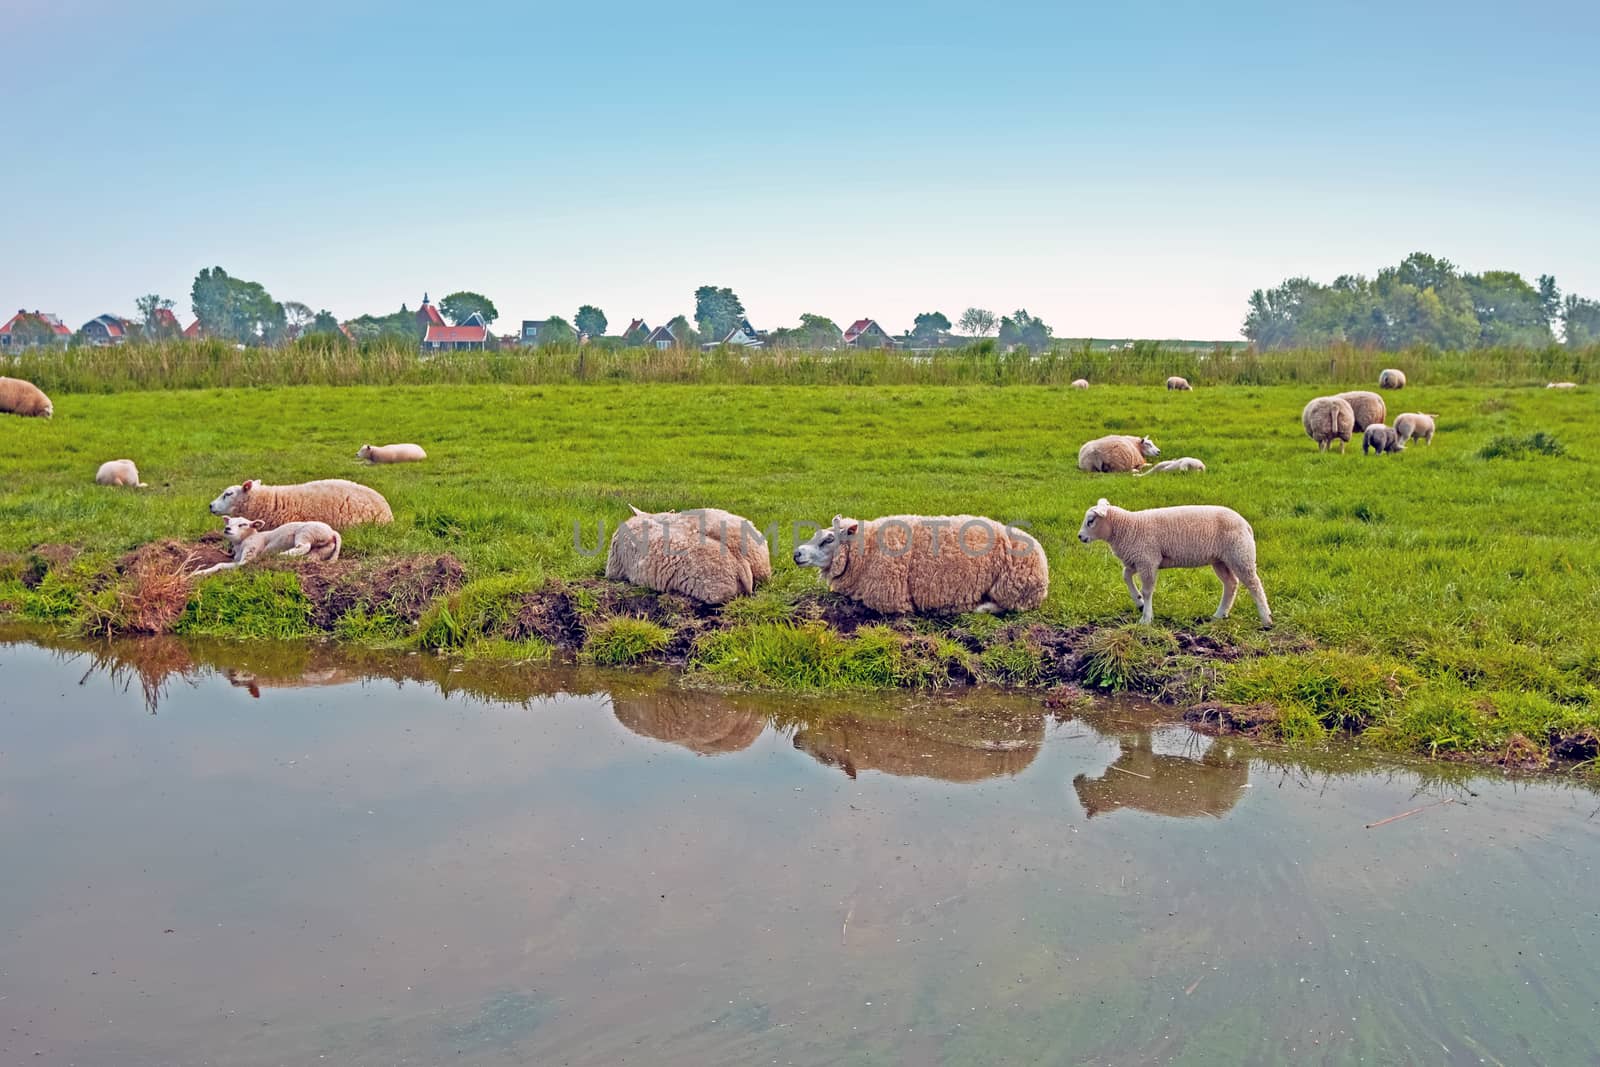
point(590, 320)
point(929, 326)
point(1580, 321)
point(1509, 310)
point(297, 316)
point(235, 309)
point(1549, 301)
point(323, 322)
point(814, 331)
point(461, 306)
point(557, 331)
point(684, 333)
point(155, 327)
point(401, 326)
point(1020, 328)
point(716, 311)
point(977, 322)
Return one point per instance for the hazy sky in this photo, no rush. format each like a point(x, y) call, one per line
point(1116, 168)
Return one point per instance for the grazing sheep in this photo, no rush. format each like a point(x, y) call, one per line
point(391, 453)
point(1414, 424)
point(945, 563)
point(1392, 379)
point(1177, 384)
point(18, 397)
point(1368, 408)
point(1381, 439)
point(1328, 419)
point(706, 554)
point(314, 540)
point(1080, 383)
point(1194, 535)
point(335, 501)
point(1552, 385)
point(1116, 452)
point(1187, 463)
point(118, 472)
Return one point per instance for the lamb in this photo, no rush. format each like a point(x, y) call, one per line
point(1187, 463)
point(18, 397)
point(1552, 385)
point(1080, 383)
point(1414, 424)
point(1368, 408)
point(1381, 439)
point(118, 472)
point(1116, 452)
point(315, 540)
point(1178, 384)
point(1328, 419)
point(707, 554)
point(391, 453)
point(1392, 379)
point(915, 563)
point(335, 501)
point(1193, 535)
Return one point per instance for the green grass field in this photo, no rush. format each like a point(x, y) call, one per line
point(1438, 599)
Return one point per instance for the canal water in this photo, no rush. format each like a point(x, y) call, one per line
point(216, 854)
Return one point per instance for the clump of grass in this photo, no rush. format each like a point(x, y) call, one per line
point(241, 604)
point(1445, 718)
point(148, 600)
point(812, 656)
point(483, 608)
point(1127, 657)
point(1340, 690)
point(55, 599)
point(623, 640)
point(363, 625)
point(1019, 661)
point(1510, 446)
point(505, 650)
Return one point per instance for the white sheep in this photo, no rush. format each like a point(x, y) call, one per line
point(1187, 463)
point(1415, 424)
point(335, 501)
point(1194, 535)
point(1080, 383)
point(314, 540)
point(391, 453)
point(1562, 385)
point(1328, 419)
point(1392, 379)
point(1177, 384)
point(118, 472)
point(706, 554)
point(1116, 452)
point(941, 563)
point(18, 397)
point(1368, 408)
point(1381, 439)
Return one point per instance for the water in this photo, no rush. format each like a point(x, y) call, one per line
point(272, 856)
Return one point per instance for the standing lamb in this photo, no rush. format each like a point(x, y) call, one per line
point(1177, 384)
point(1080, 383)
point(1187, 463)
point(18, 397)
point(1194, 535)
point(944, 563)
point(1328, 419)
point(1369, 408)
point(335, 501)
point(1414, 424)
point(1381, 439)
point(118, 472)
point(315, 540)
point(707, 554)
point(1392, 379)
point(391, 453)
point(1116, 452)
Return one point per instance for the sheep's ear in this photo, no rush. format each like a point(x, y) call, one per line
point(635, 510)
point(246, 486)
point(1101, 507)
point(257, 523)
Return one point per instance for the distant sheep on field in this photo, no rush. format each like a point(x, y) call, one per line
point(1195, 535)
point(314, 540)
point(1177, 384)
point(1080, 383)
point(1381, 439)
point(1392, 379)
point(335, 501)
point(18, 397)
point(918, 563)
point(707, 554)
point(1187, 463)
point(1368, 408)
point(1414, 424)
point(118, 472)
point(1116, 452)
point(391, 453)
point(1552, 385)
point(1328, 419)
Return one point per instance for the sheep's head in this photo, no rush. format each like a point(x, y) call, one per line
point(364, 452)
point(230, 498)
point(1094, 524)
point(1148, 447)
point(49, 409)
point(825, 548)
point(236, 529)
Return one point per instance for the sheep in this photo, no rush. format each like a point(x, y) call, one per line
point(707, 554)
point(18, 397)
point(391, 453)
point(118, 472)
point(1414, 424)
point(1392, 379)
point(1381, 439)
point(1328, 419)
point(1368, 408)
point(335, 501)
point(1552, 385)
point(1187, 463)
point(915, 563)
point(314, 540)
point(1177, 384)
point(1192, 535)
point(1116, 452)
point(1080, 383)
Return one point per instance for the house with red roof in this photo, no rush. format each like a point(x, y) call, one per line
point(105, 330)
point(27, 329)
point(194, 331)
point(636, 332)
point(866, 333)
point(163, 323)
point(438, 336)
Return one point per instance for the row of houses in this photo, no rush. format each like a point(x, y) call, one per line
point(28, 329)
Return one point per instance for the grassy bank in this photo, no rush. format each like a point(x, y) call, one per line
point(1445, 600)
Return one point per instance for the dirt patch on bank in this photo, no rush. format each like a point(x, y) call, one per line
point(401, 588)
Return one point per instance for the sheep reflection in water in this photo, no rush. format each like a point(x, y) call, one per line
point(709, 724)
point(950, 742)
point(1168, 771)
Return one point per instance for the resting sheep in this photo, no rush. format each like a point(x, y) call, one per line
point(1328, 419)
point(118, 472)
point(1187, 463)
point(335, 501)
point(18, 397)
point(1552, 385)
point(1392, 379)
point(707, 554)
point(945, 563)
point(315, 540)
point(1381, 439)
point(1368, 408)
point(1116, 452)
point(1178, 384)
point(391, 453)
point(1414, 424)
point(1194, 535)
point(1080, 383)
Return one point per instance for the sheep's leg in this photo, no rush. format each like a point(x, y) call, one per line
point(1252, 584)
point(988, 607)
point(1230, 589)
point(301, 547)
point(213, 569)
point(1147, 578)
point(1133, 590)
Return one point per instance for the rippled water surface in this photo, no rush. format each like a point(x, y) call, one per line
point(275, 856)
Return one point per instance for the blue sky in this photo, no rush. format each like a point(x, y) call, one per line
point(1118, 169)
